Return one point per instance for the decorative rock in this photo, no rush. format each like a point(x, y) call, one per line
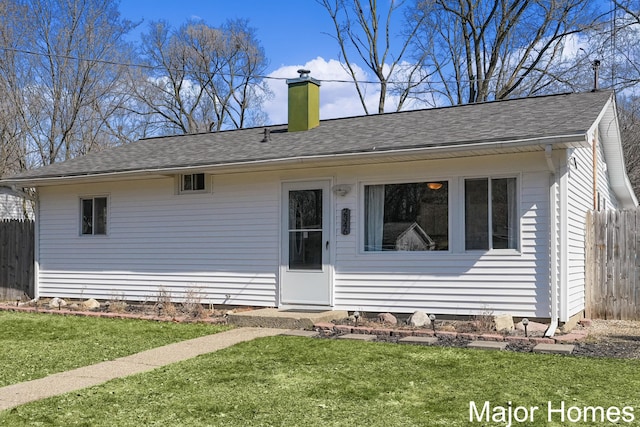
point(387, 318)
point(57, 303)
point(90, 304)
point(419, 318)
point(503, 322)
point(532, 327)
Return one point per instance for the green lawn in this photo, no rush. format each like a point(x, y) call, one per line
point(291, 381)
point(36, 345)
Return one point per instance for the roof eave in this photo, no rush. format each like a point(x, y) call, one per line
point(491, 147)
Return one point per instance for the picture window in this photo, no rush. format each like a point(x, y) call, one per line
point(407, 217)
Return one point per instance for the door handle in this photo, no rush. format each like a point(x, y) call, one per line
point(326, 245)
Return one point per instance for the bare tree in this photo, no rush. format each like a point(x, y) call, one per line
point(630, 7)
point(12, 155)
point(204, 78)
point(361, 32)
point(629, 116)
point(620, 45)
point(61, 76)
point(483, 50)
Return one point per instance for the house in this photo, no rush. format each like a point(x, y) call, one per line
point(294, 216)
point(14, 205)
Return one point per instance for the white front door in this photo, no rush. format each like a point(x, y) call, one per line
point(305, 273)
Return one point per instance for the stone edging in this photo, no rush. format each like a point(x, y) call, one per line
point(113, 315)
point(571, 337)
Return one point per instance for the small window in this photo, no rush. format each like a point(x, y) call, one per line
point(94, 216)
point(192, 182)
point(491, 214)
point(407, 217)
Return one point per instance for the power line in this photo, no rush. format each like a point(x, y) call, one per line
point(160, 68)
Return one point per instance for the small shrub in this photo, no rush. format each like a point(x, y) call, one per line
point(484, 321)
point(164, 306)
point(193, 303)
point(117, 303)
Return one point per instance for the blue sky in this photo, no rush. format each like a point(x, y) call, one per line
point(293, 34)
point(290, 31)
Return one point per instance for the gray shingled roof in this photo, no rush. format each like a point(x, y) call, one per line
point(499, 122)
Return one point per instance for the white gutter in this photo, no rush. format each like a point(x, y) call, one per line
point(553, 190)
point(371, 154)
point(607, 126)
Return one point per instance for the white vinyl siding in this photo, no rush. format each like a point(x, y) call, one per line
point(579, 201)
point(227, 243)
point(451, 282)
point(222, 244)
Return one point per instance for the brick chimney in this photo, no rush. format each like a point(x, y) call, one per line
point(304, 102)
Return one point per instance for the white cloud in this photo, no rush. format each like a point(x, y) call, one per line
point(337, 98)
point(338, 94)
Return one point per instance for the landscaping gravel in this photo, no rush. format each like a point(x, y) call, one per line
point(606, 338)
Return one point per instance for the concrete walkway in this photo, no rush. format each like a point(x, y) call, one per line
point(64, 382)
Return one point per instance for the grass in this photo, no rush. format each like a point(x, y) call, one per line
point(291, 381)
point(36, 345)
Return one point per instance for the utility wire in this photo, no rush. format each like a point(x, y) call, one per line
point(160, 68)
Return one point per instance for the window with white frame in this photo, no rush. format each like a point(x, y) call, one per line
point(406, 217)
point(193, 182)
point(491, 213)
point(93, 215)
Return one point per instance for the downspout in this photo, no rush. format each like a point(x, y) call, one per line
point(36, 246)
point(594, 155)
point(553, 190)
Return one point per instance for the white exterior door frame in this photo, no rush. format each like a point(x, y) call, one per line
point(306, 244)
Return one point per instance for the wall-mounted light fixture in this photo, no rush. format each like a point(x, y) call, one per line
point(434, 185)
point(341, 189)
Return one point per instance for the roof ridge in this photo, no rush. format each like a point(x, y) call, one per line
point(443, 107)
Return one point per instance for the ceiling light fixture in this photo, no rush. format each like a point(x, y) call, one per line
point(434, 185)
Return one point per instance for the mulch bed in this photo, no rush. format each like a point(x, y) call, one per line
point(612, 341)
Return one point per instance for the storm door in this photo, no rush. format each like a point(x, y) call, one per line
point(305, 243)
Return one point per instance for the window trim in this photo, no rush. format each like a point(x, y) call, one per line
point(462, 198)
point(405, 180)
point(93, 198)
point(179, 181)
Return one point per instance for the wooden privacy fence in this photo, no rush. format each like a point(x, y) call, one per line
point(613, 265)
point(16, 259)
